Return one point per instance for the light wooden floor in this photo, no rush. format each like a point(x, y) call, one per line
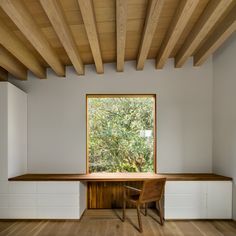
point(107, 222)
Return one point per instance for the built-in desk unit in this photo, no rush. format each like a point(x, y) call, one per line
point(187, 196)
point(63, 196)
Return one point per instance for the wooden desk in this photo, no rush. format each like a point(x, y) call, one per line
point(118, 177)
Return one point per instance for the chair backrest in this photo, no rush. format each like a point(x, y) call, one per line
point(152, 190)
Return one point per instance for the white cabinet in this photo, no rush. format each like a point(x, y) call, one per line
point(58, 200)
point(198, 200)
point(185, 200)
point(13, 131)
point(43, 200)
point(219, 200)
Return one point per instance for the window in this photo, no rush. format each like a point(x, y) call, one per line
point(121, 133)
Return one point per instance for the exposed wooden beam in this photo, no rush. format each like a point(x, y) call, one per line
point(3, 74)
point(56, 16)
point(87, 11)
point(217, 38)
point(121, 24)
point(10, 41)
point(152, 17)
point(12, 65)
point(19, 14)
point(178, 24)
point(210, 16)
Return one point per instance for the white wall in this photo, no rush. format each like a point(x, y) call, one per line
point(224, 112)
point(57, 115)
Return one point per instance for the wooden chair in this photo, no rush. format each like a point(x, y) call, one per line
point(152, 191)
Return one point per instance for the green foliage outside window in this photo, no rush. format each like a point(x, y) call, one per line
point(121, 134)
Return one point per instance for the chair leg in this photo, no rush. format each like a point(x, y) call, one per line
point(124, 207)
point(139, 219)
point(160, 211)
point(146, 208)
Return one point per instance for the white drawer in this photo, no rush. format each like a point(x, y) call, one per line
point(185, 213)
point(22, 200)
point(22, 187)
point(58, 213)
point(185, 187)
point(22, 213)
point(185, 200)
point(63, 200)
point(58, 187)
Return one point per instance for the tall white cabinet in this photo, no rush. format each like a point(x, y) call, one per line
point(13, 131)
point(36, 199)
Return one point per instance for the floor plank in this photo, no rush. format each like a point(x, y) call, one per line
point(107, 223)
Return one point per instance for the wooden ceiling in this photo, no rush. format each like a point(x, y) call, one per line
point(36, 34)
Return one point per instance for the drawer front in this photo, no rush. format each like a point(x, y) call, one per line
point(58, 187)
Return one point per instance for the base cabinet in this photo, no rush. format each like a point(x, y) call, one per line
point(198, 200)
point(219, 200)
point(42, 200)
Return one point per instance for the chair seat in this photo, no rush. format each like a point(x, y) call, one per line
point(135, 197)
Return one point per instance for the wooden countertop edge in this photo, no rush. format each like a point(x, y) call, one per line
point(101, 178)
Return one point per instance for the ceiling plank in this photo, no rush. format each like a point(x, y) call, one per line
point(10, 41)
point(178, 24)
point(87, 11)
point(18, 13)
point(153, 14)
point(121, 25)
point(210, 16)
point(217, 38)
point(56, 16)
point(3, 74)
point(12, 65)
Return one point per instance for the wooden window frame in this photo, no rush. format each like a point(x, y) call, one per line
point(154, 96)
